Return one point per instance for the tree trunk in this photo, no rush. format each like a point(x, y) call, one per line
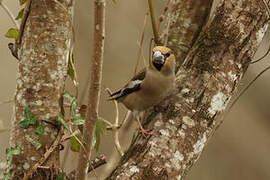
point(208, 78)
point(42, 71)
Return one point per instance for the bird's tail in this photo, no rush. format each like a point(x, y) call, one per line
point(115, 96)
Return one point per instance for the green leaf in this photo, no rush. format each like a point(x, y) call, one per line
point(75, 145)
point(99, 131)
point(73, 107)
point(72, 101)
point(12, 33)
point(20, 14)
point(40, 129)
point(22, 2)
point(78, 120)
point(60, 176)
point(62, 122)
point(68, 96)
point(71, 71)
point(29, 119)
point(12, 151)
point(37, 144)
point(114, 1)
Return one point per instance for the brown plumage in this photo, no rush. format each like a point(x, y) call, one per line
point(150, 85)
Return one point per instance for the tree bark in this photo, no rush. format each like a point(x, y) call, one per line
point(183, 123)
point(42, 71)
point(94, 89)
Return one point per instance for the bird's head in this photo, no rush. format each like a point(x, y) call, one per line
point(163, 60)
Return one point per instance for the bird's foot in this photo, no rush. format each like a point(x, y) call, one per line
point(146, 132)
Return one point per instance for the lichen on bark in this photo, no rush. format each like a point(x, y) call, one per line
point(42, 70)
point(206, 81)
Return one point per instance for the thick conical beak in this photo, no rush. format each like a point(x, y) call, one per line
point(158, 58)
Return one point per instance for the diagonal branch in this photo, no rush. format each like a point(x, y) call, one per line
point(9, 13)
point(209, 76)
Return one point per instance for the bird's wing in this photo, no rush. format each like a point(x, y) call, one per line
point(133, 85)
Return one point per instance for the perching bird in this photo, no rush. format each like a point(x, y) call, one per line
point(151, 85)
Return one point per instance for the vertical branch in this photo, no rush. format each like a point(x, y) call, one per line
point(42, 70)
point(94, 90)
point(140, 55)
point(154, 25)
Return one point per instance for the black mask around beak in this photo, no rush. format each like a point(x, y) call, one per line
point(158, 60)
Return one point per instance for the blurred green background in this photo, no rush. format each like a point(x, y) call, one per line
point(240, 149)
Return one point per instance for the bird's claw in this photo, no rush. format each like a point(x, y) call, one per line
point(145, 132)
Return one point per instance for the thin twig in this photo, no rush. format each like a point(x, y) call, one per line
point(150, 49)
point(65, 138)
point(141, 43)
point(167, 32)
point(72, 64)
point(142, 56)
point(4, 130)
point(268, 11)
point(97, 162)
point(61, 5)
point(26, 12)
point(94, 89)
point(246, 88)
point(45, 156)
point(73, 134)
point(6, 102)
point(116, 124)
point(267, 7)
point(261, 58)
point(10, 15)
point(65, 156)
point(154, 26)
point(108, 123)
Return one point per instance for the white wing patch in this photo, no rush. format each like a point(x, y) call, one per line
point(133, 84)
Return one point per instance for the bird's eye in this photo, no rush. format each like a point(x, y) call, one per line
point(167, 55)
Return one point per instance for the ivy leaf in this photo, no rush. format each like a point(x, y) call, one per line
point(72, 101)
point(22, 2)
point(12, 151)
point(99, 131)
point(71, 71)
point(40, 129)
point(20, 14)
point(75, 145)
point(60, 176)
point(73, 107)
point(78, 120)
point(68, 96)
point(12, 33)
point(29, 118)
point(37, 144)
point(62, 122)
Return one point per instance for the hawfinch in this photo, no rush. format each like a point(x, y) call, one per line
point(151, 85)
